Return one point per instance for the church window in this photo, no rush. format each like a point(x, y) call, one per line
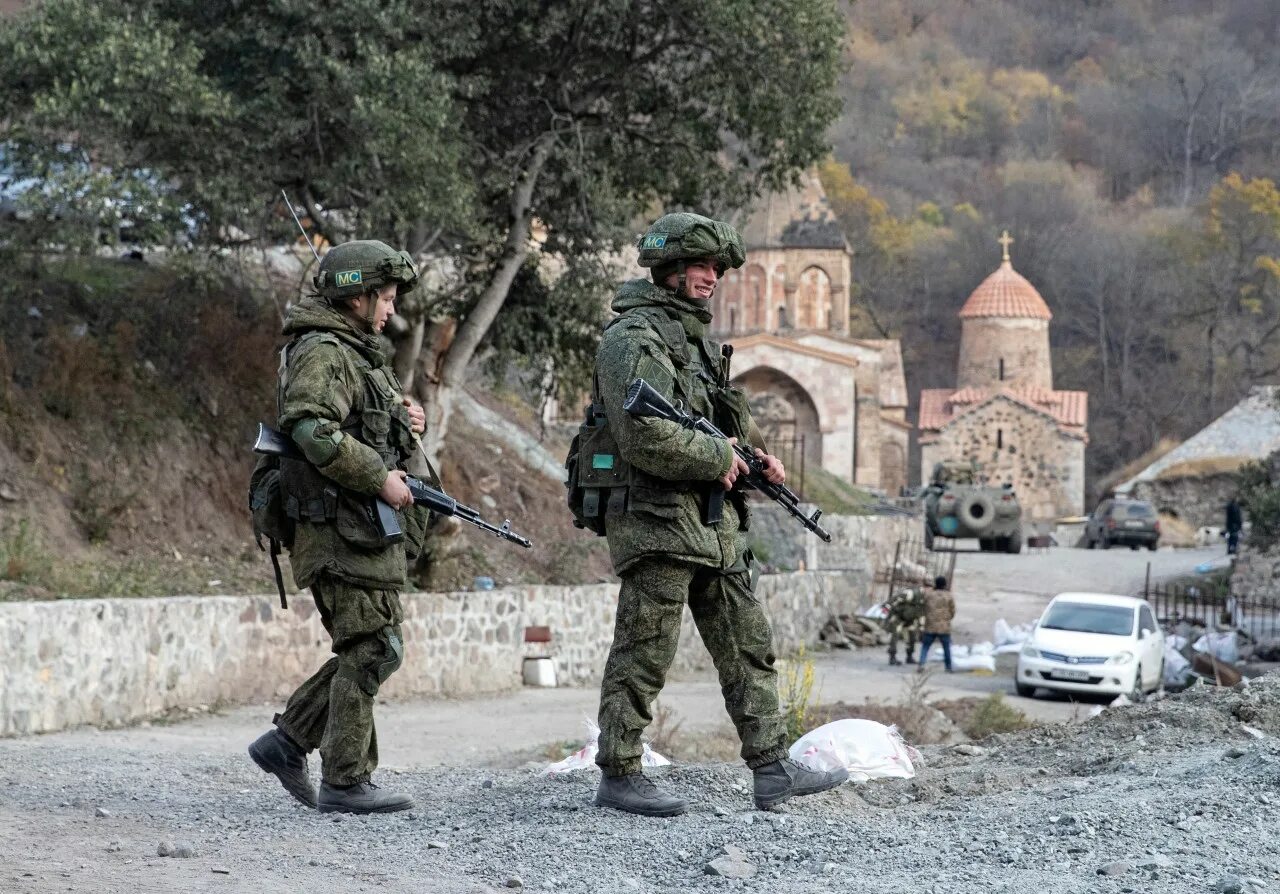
point(999, 438)
point(1001, 369)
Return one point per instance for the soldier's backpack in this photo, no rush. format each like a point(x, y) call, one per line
point(270, 521)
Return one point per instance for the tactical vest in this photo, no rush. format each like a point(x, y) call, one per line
point(377, 419)
point(601, 484)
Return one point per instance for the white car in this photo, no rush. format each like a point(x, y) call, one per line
point(1093, 642)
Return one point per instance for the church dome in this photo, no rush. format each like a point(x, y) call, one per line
point(1006, 293)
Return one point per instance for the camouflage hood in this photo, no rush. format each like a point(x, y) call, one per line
point(316, 315)
point(634, 293)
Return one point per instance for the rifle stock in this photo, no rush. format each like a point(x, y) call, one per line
point(644, 400)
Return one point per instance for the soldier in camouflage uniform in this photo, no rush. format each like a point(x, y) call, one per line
point(906, 611)
point(665, 552)
point(343, 406)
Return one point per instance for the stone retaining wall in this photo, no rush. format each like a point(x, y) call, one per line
point(115, 661)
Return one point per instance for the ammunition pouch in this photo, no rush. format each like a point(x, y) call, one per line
point(596, 475)
point(311, 497)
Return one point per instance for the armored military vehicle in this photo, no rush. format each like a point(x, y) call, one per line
point(958, 503)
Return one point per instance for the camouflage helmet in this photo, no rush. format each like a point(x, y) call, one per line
point(351, 269)
point(684, 236)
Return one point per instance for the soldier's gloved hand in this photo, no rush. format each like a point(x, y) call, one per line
point(395, 493)
point(774, 472)
point(739, 467)
point(417, 418)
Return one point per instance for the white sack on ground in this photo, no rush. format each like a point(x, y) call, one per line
point(868, 750)
point(585, 757)
point(1223, 646)
point(1176, 668)
point(1010, 639)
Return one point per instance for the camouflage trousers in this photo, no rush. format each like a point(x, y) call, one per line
point(734, 629)
point(897, 629)
point(333, 710)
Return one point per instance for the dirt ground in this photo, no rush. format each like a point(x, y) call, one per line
point(1166, 797)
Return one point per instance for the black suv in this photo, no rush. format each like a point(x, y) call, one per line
point(1131, 523)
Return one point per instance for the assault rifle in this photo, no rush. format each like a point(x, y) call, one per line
point(643, 400)
point(274, 443)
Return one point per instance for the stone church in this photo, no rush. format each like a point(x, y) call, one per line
point(821, 397)
point(1004, 412)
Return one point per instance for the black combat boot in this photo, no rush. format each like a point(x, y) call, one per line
point(893, 660)
point(782, 780)
point(636, 793)
point(276, 753)
point(911, 659)
point(363, 797)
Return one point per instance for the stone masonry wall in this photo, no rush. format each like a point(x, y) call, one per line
point(1022, 447)
point(1199, 500)
point(1023, 345)
point(116, 661)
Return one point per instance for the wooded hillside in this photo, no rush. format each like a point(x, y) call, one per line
point(1130, 148)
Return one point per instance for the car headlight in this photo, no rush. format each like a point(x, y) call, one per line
point(1030, 651)
point(1120, 658)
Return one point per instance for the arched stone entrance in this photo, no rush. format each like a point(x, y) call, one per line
point(786, 413)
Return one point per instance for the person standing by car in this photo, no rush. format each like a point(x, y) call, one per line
point(1235, 523)
point(939, 609)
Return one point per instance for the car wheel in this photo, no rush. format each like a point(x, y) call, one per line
point(1138, 695)
point(1133, 546)
point(1013, 544)
point(1024, 690)
point(1152, 546)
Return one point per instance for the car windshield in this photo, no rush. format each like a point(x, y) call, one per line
point(1113, 620)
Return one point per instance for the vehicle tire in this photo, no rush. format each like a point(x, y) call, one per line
point(1152, 546)
point(1024, 690)
point(1138, 695)
point(976, 512)
point(1133, 546)
point(1013, 543)
point(928, 538)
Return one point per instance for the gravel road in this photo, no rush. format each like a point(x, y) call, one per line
point(1177, 795)
point(1170, 797)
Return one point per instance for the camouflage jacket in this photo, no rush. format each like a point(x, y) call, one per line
point(939, 609)
point(662, 338)
point(341, 403)
point(907, 608)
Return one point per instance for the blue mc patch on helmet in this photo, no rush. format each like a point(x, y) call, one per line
point(348, 278)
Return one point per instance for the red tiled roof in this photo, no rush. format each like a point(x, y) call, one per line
point(1006, 293)
point(939, 406)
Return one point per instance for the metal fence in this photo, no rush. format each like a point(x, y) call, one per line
point(1209, 605)
point(914, 564)
point(791, 450)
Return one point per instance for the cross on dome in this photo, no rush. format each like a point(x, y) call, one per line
point(1005, 241)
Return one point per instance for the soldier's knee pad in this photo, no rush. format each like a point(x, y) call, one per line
point(381, 661)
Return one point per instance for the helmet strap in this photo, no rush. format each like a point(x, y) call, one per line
point(681, 282)
point(372, 313)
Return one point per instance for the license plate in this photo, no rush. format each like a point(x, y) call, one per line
point(1133, 524)
point(1078, 675)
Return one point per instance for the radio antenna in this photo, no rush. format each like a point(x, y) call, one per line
point(302, 229)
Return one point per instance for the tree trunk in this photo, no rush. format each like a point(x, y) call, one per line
point(439, 392)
